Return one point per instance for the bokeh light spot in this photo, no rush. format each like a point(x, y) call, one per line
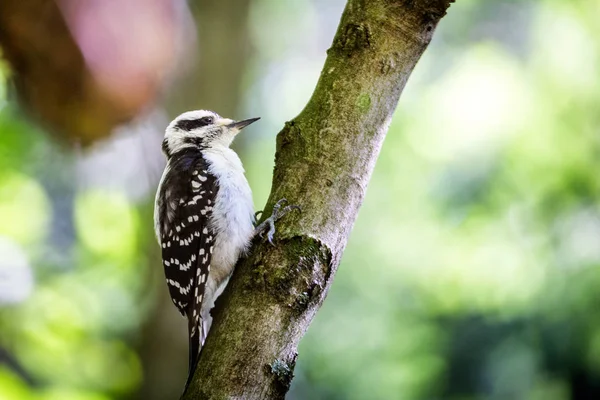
point(106, 223)
point(24, 208)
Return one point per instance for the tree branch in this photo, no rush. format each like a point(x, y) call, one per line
point(323, 163)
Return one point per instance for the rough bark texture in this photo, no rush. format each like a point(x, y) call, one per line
point(323, 163)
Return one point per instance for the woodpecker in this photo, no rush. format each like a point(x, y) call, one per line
point(204, 216)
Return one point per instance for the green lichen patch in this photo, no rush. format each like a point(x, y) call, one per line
point(355, 38)
point(284, 373)
point(363, 102)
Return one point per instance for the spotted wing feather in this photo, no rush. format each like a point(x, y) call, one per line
point(187, 240)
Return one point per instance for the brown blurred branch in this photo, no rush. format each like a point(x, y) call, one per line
point(81, 68)
point(324, 160)
point(222, 57)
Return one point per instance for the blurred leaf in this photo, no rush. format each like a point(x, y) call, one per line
point(24, 208)
point(106, 224)
point(12, 388)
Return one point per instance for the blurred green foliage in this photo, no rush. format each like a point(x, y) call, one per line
point(472, 271)
point(473, 268)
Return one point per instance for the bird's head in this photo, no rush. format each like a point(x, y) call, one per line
point(201, 129)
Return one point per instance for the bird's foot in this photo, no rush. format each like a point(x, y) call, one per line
point(279, 211)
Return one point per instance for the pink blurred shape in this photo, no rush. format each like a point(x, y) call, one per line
point(130, 46)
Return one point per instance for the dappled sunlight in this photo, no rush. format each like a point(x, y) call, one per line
point(569, 57)
point(106, 224)
point(24, 208)
point(479, 104)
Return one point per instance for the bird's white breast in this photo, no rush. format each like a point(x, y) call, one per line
point(233, 213)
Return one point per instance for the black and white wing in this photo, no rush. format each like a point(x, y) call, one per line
point(185, 203)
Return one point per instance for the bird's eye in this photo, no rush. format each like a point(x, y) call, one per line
point(191, 124)
point(205, 121)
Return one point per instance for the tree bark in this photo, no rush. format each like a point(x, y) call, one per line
point(323, 163)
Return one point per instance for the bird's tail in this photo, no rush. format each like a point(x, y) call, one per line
point(196, 336)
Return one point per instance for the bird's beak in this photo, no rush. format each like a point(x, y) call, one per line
point(239, 125)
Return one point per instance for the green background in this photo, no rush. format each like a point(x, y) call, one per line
point(473, 268)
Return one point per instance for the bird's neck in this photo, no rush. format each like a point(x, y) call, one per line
point(184, 153)
point(222, 159)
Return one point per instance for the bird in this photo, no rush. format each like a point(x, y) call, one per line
point(204, 217)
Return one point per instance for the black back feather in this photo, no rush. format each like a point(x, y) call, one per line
point(186, 198)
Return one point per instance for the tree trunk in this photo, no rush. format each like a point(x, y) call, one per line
point(323, 163)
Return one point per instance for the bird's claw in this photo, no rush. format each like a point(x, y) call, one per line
point(278, 213)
